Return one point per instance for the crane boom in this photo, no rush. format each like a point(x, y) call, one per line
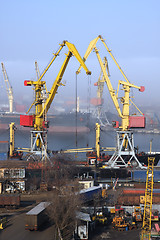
point(8, 88)
point(92, 45)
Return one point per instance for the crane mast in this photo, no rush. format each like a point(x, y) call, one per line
point(146, 228)
point(8, 88)
point(125, 143)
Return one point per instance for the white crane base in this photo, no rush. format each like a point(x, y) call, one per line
point(124, 156)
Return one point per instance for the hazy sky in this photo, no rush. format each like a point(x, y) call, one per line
point(32, 29)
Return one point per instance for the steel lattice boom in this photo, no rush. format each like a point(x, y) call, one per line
point(146, 228)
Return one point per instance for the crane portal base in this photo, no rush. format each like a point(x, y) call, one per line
point(124, 156)
point(40, 136)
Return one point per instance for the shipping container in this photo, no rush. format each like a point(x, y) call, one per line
point(9, 200)
point(37, 216)
point(141, 175)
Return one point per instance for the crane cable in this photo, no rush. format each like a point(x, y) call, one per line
point(76, 112)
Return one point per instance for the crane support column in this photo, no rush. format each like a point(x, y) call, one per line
point(98, 139)
point(11, 143)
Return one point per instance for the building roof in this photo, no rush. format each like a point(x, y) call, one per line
point(83, 216)
point(39, 208)
point(13, 164)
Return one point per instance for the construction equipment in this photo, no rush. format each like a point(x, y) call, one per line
point(100, 217)
point(125, 154)
point(137, 214)
point(42, 104)
point(146, 228)
point(3, 223)
point(8, 88)
point(120, 223)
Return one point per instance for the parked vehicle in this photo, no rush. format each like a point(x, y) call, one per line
point(37, 216)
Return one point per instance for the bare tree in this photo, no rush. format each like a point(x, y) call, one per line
point(65, 202)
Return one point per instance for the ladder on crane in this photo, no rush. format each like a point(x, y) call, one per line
point(146, 228)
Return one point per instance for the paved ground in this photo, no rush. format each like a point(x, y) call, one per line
point(16, 231)
point(112, 234)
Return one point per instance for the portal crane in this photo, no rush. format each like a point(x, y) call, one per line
point(37, 120)
point(125, 143)
point(8, 88)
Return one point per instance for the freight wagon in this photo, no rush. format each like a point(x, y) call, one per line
point(87, 195)
point(12, 200)
point(132, 196)
point(37, 216)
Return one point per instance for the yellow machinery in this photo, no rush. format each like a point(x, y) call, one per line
point(3, 223)
point(138, 214)
point(146, 228)
point(42, 103)
point(119, 223)
point(125, 143)
point(8, 88)
point(11, 148)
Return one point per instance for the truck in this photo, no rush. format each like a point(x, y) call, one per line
point(37, 216)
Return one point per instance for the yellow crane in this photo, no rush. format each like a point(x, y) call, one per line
point(125, 143)
point(146, 228)
point(38, 119)
point(8, 88)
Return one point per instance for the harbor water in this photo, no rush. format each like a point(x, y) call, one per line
point(60, 141)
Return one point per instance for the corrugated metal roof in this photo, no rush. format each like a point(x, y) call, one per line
point(39, 208)
point(90, 189)
point(83, 216)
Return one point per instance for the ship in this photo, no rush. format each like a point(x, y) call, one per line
point(62, 123)
point(104, 158)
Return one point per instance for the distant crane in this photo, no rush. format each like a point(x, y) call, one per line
point(100, 86)
point(8, 88)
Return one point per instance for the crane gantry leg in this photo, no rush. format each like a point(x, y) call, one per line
point(40, 136)
point(124, 155)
